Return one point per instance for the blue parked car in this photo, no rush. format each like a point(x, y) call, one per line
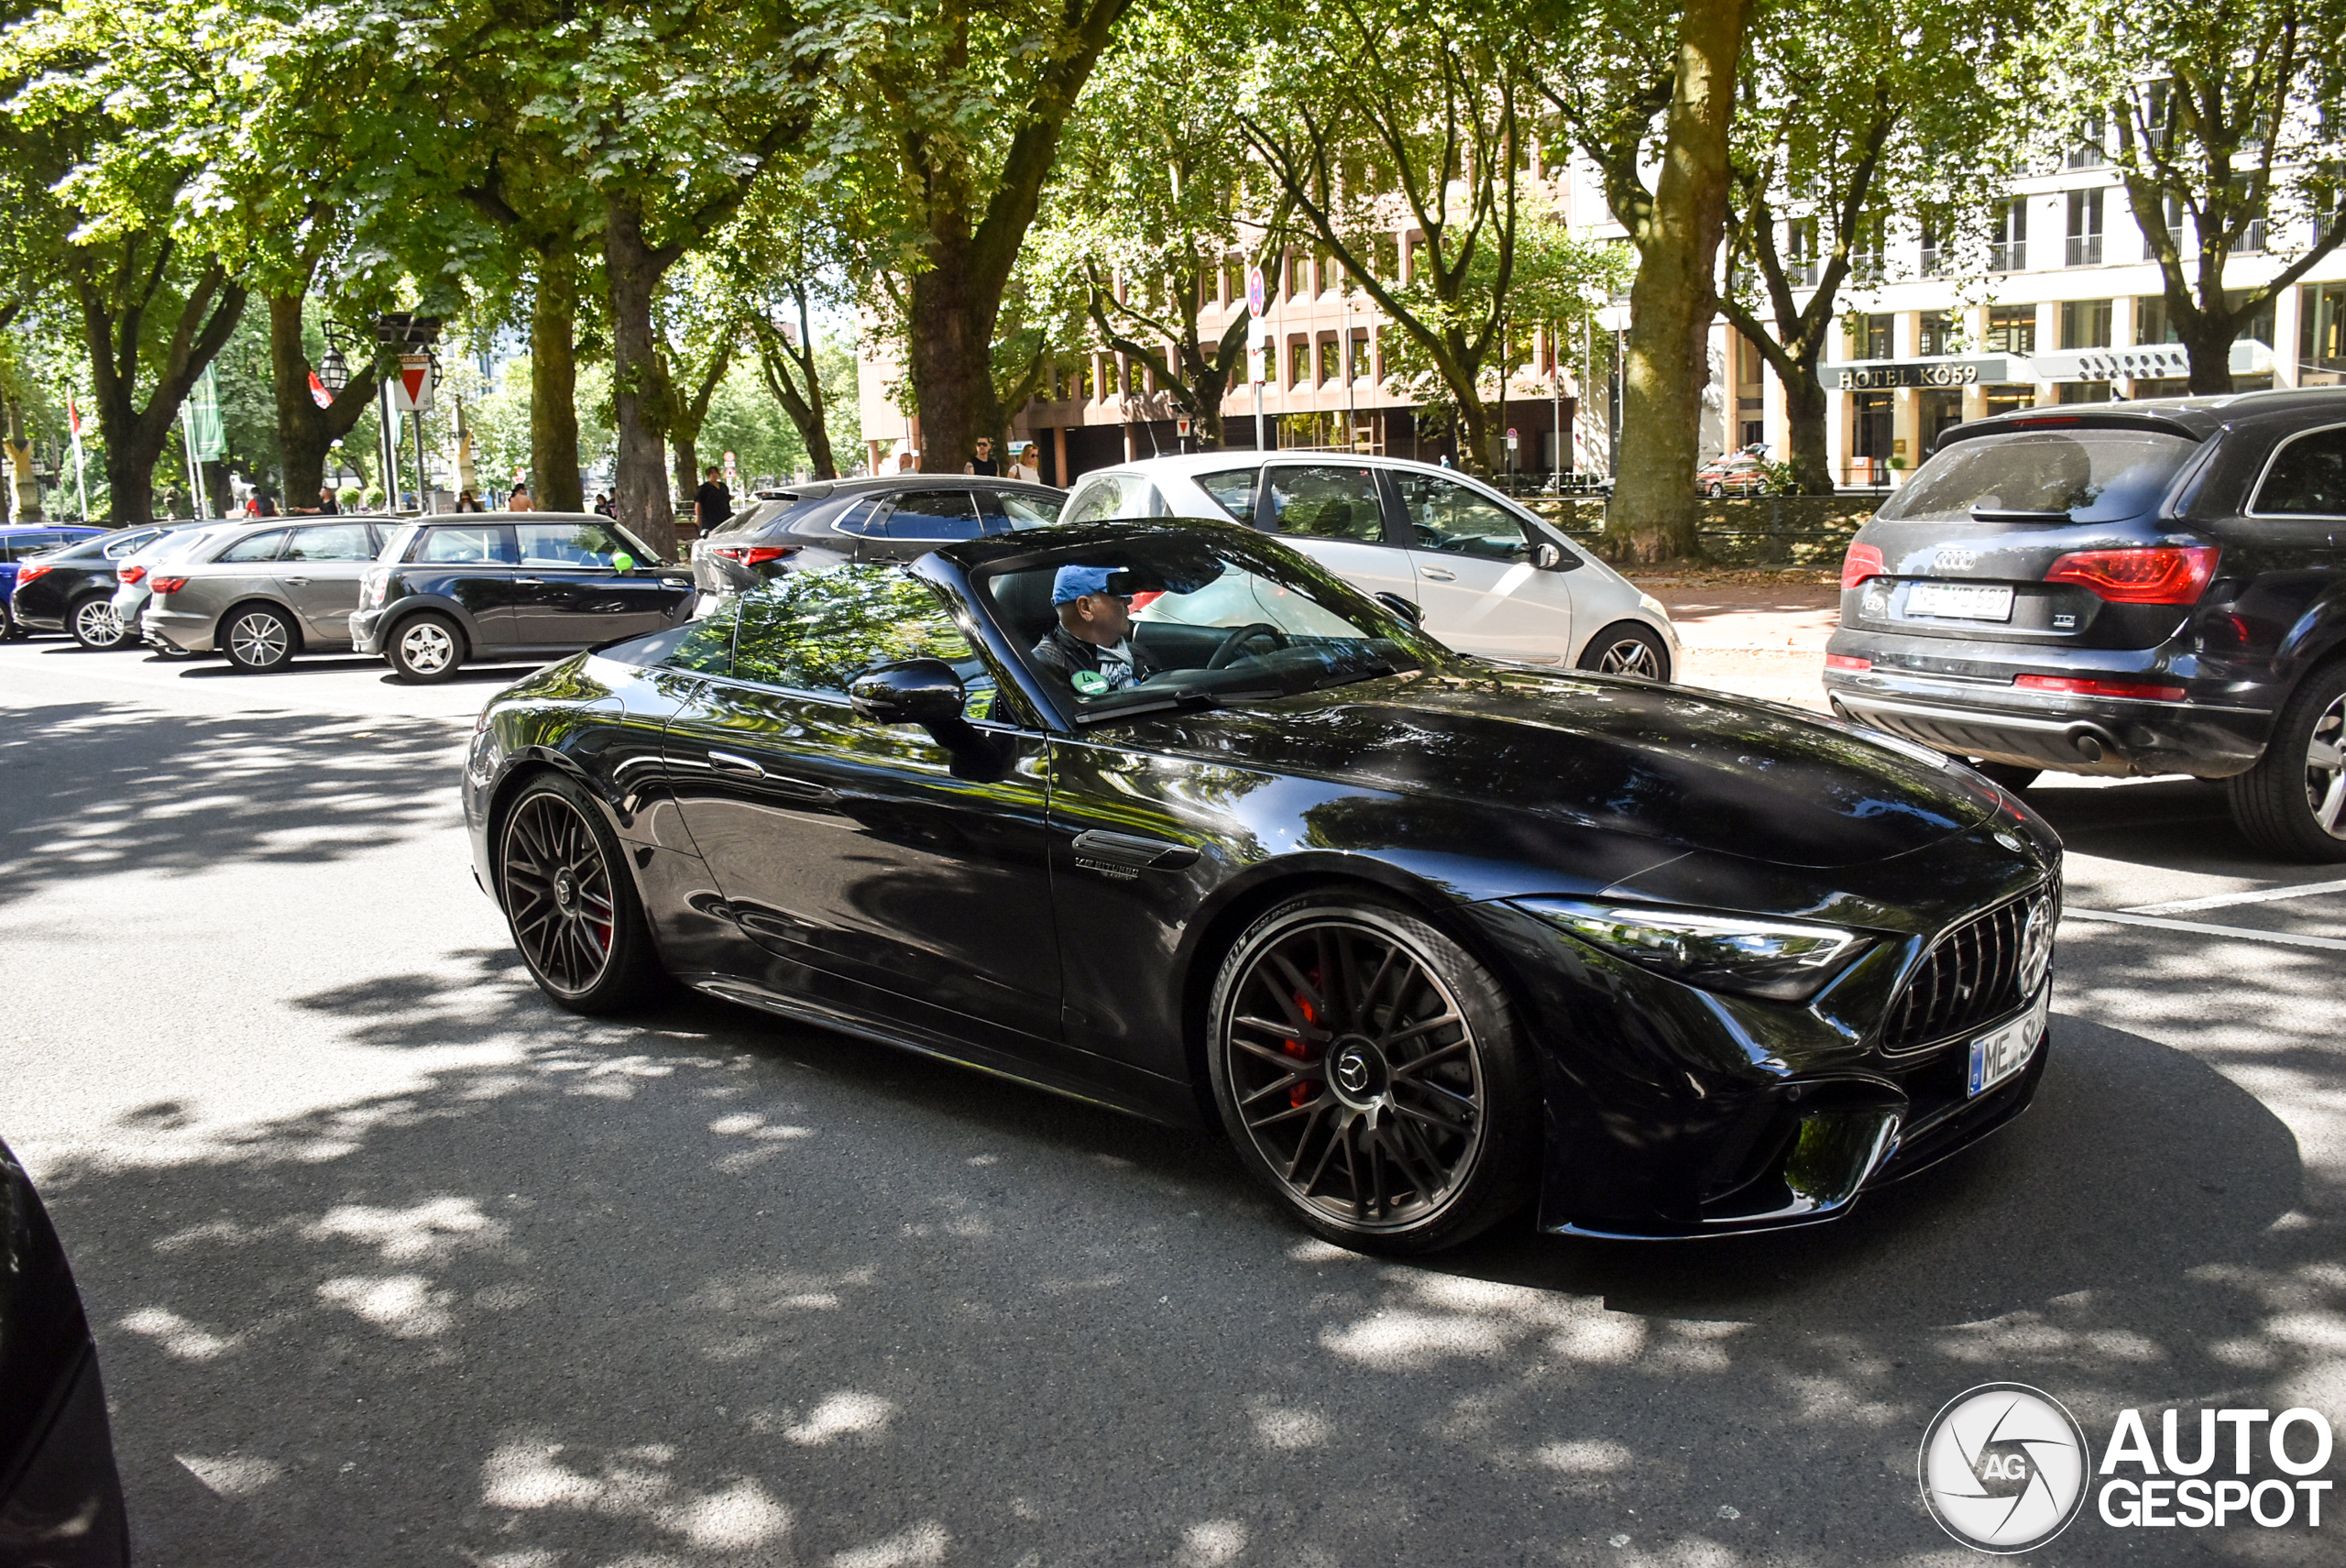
point(18, 543)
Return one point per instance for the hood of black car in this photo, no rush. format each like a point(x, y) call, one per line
point(1701, 771)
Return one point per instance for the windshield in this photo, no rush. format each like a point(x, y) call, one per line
point(1182, 620)
point(2084, 475)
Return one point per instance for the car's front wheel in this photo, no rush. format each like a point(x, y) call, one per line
point(1373, 1073)
point(259, 637)
point(570, 901)
point(96, 626)
point(2292, 802)
point(427, 648)
point(1627, 649)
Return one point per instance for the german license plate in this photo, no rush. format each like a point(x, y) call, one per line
point(1997, 1056)
point(1960, 601)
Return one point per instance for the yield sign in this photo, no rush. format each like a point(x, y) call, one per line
point(411, 392)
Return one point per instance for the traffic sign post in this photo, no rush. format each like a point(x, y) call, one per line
point(1254, 292)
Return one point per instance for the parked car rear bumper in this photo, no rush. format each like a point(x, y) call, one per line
point(2113, 736)
point(186, 630)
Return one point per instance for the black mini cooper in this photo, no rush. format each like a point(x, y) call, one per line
point(2137, 588)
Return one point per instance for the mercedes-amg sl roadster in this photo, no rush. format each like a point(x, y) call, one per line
point(1164, 815)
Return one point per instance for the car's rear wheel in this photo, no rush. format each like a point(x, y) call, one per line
point(9, 629)
point(2012, 775)
point(427, 648)
point(1627, 648)
point(1373, 1073)
point(96, 626)
point(259, 637)
point(570, 902)
point(1718, 489)
point(2292, 802)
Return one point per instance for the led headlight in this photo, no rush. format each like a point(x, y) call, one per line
point(1780, 959)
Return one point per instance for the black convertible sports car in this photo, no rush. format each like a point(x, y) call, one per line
point(1243, 847)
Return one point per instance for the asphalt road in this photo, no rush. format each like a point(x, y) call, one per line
point(390, 1262)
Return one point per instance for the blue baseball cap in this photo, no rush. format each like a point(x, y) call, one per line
point(1073, 582)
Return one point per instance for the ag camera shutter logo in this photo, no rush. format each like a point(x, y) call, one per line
point(2003, 1468)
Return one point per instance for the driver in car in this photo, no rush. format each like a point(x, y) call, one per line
point(1091, 647)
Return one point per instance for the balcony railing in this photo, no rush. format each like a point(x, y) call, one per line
point(2085, 250)
point(2008, 256)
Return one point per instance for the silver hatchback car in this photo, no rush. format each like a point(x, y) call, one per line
point(266, 590)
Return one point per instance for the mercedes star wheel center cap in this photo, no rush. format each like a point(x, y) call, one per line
point(565, 889)
point(1357, 1069)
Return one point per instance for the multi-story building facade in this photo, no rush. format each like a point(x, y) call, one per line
point(2064, 304)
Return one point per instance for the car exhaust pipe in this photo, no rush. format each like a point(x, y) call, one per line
point(2092, 742)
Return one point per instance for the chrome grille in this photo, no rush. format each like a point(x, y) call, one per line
point(1970, 975)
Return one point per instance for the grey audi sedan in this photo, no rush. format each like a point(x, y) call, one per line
point(263, 591)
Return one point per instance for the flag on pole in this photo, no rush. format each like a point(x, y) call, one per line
point(207, 439)
point(318, 393)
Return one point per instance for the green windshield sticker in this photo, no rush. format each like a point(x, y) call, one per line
point(1091, 683)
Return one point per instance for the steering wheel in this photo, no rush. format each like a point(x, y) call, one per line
point(1239, 639)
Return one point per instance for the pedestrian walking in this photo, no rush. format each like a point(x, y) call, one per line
point(327, 505)
point(1027, 465)
point(467, 501)
point(519, 500)
point(603, 507)
point(712, 503)
point(985, 461)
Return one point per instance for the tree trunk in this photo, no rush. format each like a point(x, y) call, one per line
point(1804, 414)
point(950, 332)
point(2209, 338)
point(306, 432)
point(684, 447)
point(1675, 297)
point(24, 488)
point(640, 393)
point(555, 481)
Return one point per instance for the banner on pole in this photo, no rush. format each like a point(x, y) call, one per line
point(208, 440)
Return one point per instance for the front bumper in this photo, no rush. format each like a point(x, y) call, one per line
point(2001, 723)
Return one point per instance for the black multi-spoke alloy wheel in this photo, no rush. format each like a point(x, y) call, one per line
point(426, 648)
point(1627, 648)
point(2292, 802)
point(96, 626)
point(563, 879)
point(1372, 1072)
point(259, 637)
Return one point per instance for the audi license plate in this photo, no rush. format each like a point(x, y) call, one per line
point(1960, 601)
point(1996, 1057)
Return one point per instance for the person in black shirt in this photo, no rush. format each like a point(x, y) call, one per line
point(1091, 647)
point(984, 461)
point(712, 503)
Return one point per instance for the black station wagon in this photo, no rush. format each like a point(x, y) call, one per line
point(488, 586)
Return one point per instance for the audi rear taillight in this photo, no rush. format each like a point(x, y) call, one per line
point(2077, 686)
point(130, 575)
point(2159, 574)
point(27, 573)
point(755, 555)
point(1863, 561)
point(1849, 662)
point(161, 587)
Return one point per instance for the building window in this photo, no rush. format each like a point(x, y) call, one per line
point(2154, 322)
point(1936, 334)
point(1299, 275)
point(1086, 378)
point(1299, 362)
point(2087, 150)
point(1936, 258)
point(2085, 323)
point(2322, 334)
point(1936, 411)
point(2085, 391)
point(1417, 249)
point(2007, 247)
point(2010, 395)
point(2012, 329)
point(1329, 370)
point(1866, 242)
point(2084, 228)
point(1800, 253)
point(1359, 345)
point(1870, 338)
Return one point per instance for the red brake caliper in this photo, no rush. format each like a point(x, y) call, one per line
point(1300, 1093)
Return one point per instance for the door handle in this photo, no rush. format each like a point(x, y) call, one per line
point(1437, 574)
point(528, 580)
point(727, 762)
point(297, 582)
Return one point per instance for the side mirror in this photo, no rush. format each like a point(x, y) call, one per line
point(1407, 609)
point(910, 691)
point(1552, 558)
